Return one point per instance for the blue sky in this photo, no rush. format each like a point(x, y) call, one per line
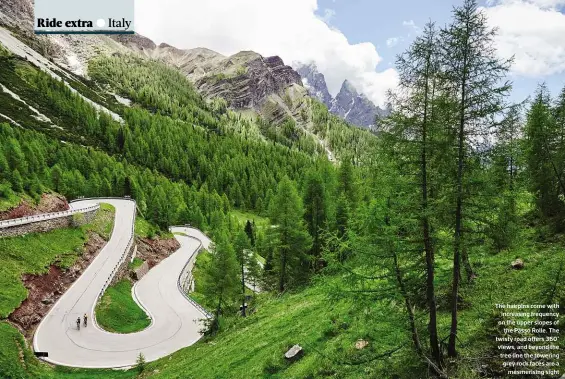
point(358, 40)
point(376, 22)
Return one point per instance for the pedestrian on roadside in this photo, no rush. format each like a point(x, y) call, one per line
point(85, 318)
point(78, 323)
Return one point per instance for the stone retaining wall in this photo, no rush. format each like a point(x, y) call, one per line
point(48, 225)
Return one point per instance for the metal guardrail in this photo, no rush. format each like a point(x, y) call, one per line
point(126, 250)
point(116, 267)
point(128, 247)
point(179, 285)
point(45, 216)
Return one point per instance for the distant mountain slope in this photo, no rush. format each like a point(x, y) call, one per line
point(246, 80)
point(263, 92)
point(351, 106)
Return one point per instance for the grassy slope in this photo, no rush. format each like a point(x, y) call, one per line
point(18, 362)
point(242, 217)
point(118, 312)
point(145, 229)
point(498, 283)
point(9, 201)
point(253, 347)
point(34, 253)
point(104, 221)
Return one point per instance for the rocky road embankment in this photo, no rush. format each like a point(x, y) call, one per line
point(155, 250)
point(48, 203)
point(45, 289)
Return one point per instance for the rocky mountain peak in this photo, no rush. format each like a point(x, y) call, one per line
point(348, 104)
point(134, 41)
point(345, 99)
point(245, 79)
point(315, 82)
point(347, 89)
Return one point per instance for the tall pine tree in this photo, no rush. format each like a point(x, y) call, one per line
point(473, 74)
point(291, 239)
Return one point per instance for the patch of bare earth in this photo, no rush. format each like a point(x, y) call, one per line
point(47, 204)
point(155, 250)
point(44, 290)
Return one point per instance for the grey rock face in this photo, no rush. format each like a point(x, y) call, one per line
point(356, 108)
point(344, 101)
point(17, 13)
point(353, 107)
point(246, 79)
point(315, 82)
point(135, 41)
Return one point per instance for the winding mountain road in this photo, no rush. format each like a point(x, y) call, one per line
point(176, 322)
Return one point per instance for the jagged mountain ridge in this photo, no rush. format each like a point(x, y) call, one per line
point(315, 82)
point(250, 83)
point(348, 104)
point(246, 79)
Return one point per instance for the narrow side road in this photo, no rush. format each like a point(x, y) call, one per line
point(176, 323)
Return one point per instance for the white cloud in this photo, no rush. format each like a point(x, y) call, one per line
point(290, 29)
point(532, 31)
point(392, 41)
point(412, 25)
point(546, 3)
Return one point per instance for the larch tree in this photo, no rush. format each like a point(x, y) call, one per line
point(292, 240)
point(503, 184)
point(220, 282)
point(242, 247)
point(415, 132)
point(542, 135)
point(347, 182)
point(474, 76)
point(250, 231)
point(315, 215)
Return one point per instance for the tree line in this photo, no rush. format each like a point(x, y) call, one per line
point(453, 162)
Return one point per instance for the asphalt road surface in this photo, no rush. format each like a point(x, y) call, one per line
point(176, 323)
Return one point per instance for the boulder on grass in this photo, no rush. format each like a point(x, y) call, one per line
point(518, 264)
point(361, 344)
point(295, 353)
